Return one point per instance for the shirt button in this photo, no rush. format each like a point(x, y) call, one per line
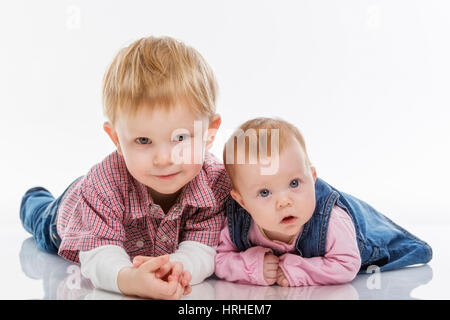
point(164, 238)
point(139, 244)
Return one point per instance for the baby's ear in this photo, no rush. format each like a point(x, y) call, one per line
point(109, 129)
point(314, 173)
point(236, 196)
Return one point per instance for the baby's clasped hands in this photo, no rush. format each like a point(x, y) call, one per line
point(272, 271)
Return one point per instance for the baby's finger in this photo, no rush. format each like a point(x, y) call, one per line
point(272, 259)
point(279, 271)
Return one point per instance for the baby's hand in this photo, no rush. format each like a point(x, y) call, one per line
point(281, 278)
point(270, 267)
point(168, 272)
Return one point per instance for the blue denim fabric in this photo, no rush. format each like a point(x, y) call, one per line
point(38, 211)
point(381, 242)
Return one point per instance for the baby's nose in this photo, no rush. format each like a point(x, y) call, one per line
point(284, 202)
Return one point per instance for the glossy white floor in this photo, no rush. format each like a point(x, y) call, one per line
point(29, 273)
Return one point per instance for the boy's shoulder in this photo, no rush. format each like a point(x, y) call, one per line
point(216, 174)
point(109, 174)
point(210, 187)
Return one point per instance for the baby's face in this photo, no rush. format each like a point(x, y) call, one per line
point(158, 146)
point(281, 203)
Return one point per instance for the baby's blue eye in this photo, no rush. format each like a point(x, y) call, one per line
point(142, 140)
point(294, 183)
point(264, 193)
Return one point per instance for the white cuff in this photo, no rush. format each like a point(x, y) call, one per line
point(197, 258)
point(102, 265)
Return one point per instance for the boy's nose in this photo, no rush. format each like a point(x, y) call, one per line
point(162, 158)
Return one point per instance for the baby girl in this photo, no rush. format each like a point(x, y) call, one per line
point(285, 225)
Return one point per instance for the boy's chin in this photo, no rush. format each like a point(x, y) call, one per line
point(167, 191)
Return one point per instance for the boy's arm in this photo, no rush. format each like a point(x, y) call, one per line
point(102, 265)
point(109, 268)
point(340, 264)
point(197, 258)
point(242, 267)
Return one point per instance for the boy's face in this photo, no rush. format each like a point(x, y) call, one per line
point(163, 149)
point(281, 203)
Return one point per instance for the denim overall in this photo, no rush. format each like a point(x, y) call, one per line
point(381, 242)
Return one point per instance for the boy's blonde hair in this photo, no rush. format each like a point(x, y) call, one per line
point(251, 128)
point(159, 72)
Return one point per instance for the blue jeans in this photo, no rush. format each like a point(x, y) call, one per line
point(38, 211)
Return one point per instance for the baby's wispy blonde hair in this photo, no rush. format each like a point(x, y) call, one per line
point(252, 129)
point(158, 72)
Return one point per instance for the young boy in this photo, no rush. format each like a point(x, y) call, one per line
point(287, 226)
point(160, 193)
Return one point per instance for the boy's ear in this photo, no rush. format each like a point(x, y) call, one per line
point(109, 129)
point(314, 173)
point(236, 196)
point(214, 124)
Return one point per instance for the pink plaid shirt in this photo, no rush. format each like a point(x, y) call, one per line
point(109, 207)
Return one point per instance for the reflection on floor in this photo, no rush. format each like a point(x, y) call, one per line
point(63, 280)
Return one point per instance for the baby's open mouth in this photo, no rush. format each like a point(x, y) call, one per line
point(288, 220)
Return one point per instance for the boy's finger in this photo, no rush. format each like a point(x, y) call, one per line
point(186, 278)
point(164, 270)
point(174, 287)
point(178, 293)
point(154, 263)
point(187, 290)
point(177, 269)
point(138, 260)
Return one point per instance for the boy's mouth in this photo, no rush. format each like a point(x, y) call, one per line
point(288, 220)
point(168, 176)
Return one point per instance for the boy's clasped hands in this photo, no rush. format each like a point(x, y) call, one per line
point(155, 277)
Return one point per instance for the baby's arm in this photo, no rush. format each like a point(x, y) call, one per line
point(243, 267)
point(340, 264)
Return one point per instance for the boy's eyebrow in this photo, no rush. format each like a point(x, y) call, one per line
point(144, 134)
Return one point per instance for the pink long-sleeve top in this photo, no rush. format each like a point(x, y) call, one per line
point(340, 264)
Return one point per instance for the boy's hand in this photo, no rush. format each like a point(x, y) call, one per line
point(270, 266)
point(143, 282)
point(281, 278)
point(169, 271)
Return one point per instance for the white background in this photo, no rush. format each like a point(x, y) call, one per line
point(367, 82)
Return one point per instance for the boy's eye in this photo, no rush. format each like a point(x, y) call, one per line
point(264, 193)
point(294, 183)
point(142, 140)
point(181, 137)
